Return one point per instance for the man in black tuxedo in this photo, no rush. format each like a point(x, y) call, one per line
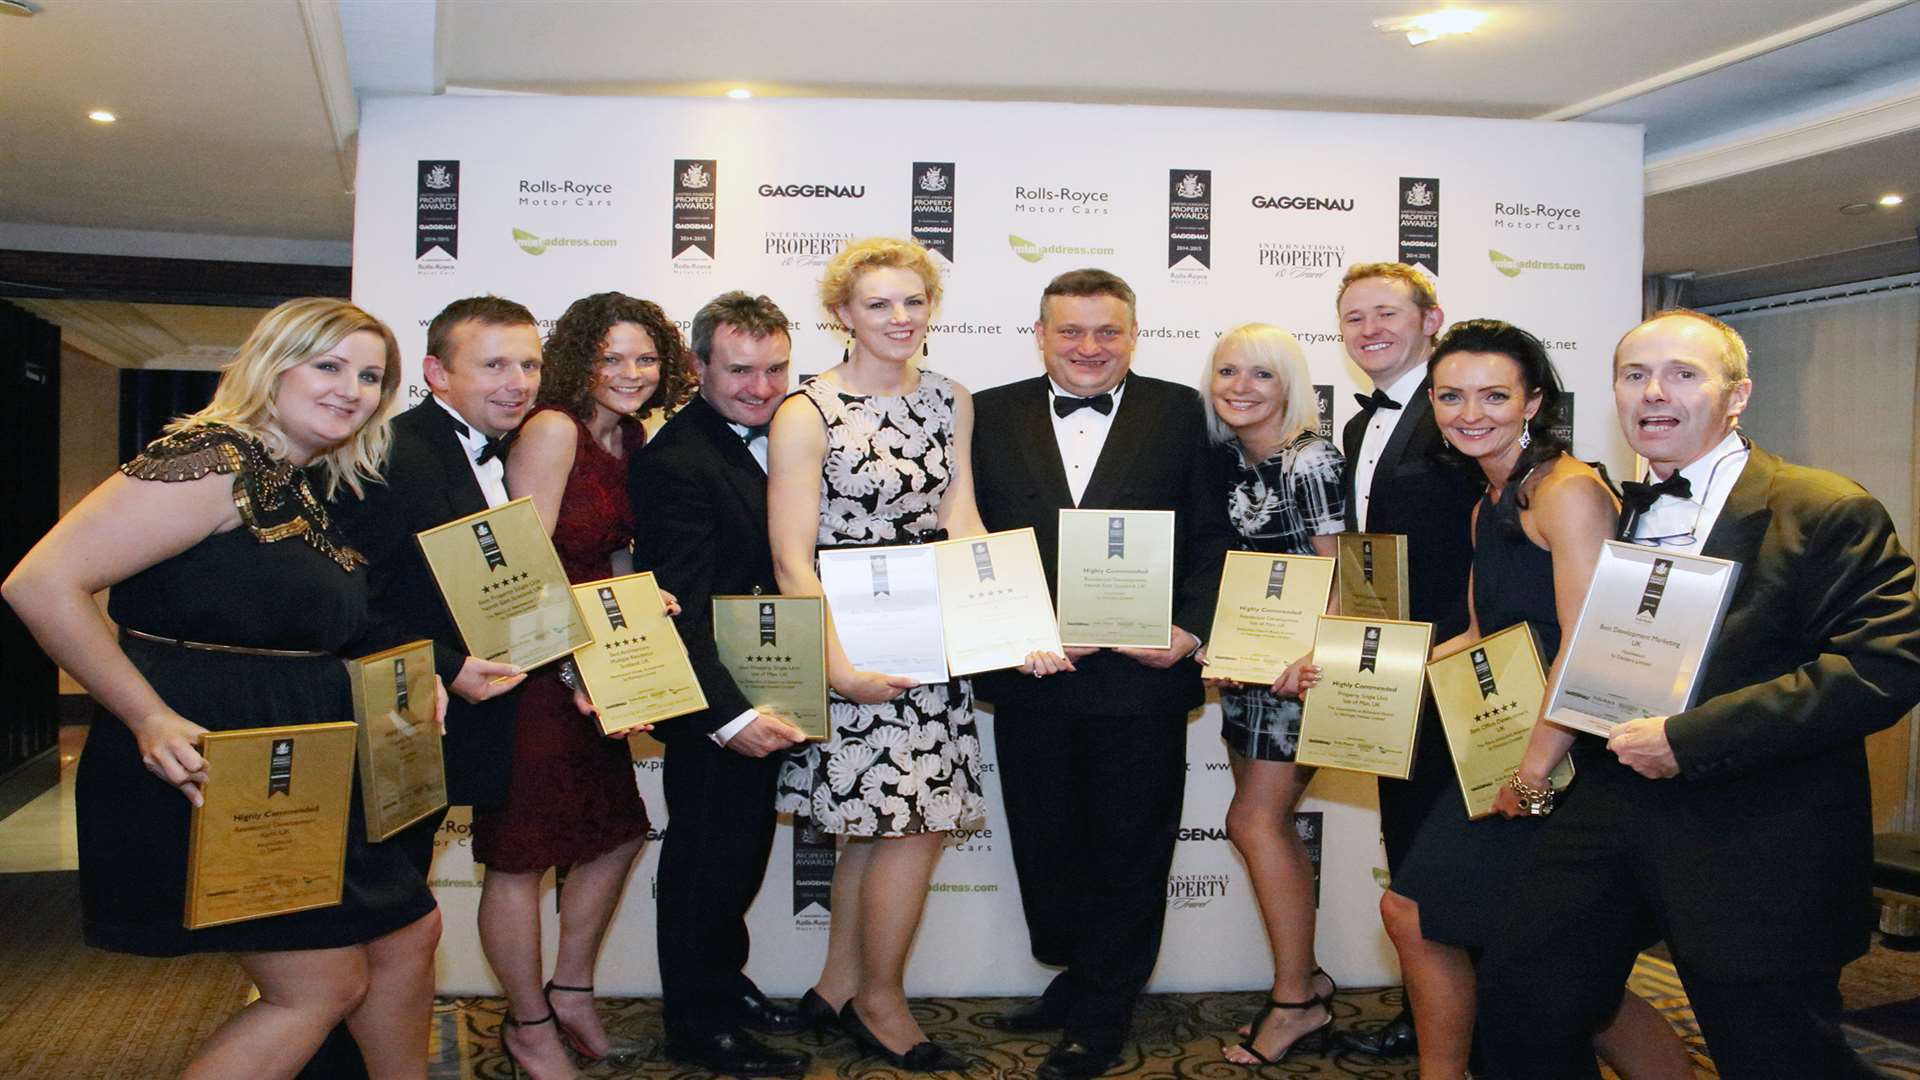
point(1394, 483)
point(700, 495)
point(483, 368)
point(1092, 761)
point(1738, 830)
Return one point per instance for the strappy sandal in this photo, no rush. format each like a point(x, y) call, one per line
point(621, 1052)
point(1318, 1036)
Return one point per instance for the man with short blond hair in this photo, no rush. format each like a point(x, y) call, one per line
point(1738, 830)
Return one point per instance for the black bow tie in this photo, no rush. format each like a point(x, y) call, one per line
point(754, 431)
point(493, 448)
point(1067, 406)
point(1640, 497)
point(1375, 401)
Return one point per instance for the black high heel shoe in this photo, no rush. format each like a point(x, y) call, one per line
point(1326, 996)
point(1317, 1037)
point(509, 1021)
point(819, 1015)
point(929, 1056)
point(621, 1052)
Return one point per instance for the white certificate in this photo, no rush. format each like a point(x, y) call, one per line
point(1645, 630)
point(994, 601)
point(885, 607)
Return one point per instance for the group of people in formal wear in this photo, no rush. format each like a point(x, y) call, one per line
point(268, 535)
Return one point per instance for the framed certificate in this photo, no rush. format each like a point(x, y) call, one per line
point(635, 668)
point(504, 586)
point(994, 603)
point(402, 775)
point(885, 606)
point(1488, 694)
point(270, 836)
point(1269, 607)
point(1373, 575)
point(776, 649)
point(1116, 578)
point(1645, 630)
point(1365, 711)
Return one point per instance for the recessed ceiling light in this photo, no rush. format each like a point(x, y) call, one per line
point(23, 8)
point(1891, 199)
point(1855, 209)
point(739, 93)
point(101, 116)
point(1421, 29)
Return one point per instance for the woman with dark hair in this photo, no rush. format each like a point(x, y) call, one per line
point(1537, 533)
point(571, 802)
point(233, 591)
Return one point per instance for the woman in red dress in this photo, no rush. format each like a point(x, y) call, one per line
point(572, 801)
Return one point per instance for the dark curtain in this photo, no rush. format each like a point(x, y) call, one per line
point(30, 495)
point(148, 399)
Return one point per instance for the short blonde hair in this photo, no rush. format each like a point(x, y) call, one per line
point(1733, 348)
point(1424, 296)
point(290, 335)
point(1265, 346)
point(873, 253)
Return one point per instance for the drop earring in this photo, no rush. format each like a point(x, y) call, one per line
point(1526, 436)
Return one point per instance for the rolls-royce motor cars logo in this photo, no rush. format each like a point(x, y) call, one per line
point(1063, 199)
point(1519, 216)
point(567, 192)
point(813, 191)
point(934, 180)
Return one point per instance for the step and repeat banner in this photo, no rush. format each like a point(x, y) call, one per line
point(1215, 217)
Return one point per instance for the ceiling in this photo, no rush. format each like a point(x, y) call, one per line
point(237, 119)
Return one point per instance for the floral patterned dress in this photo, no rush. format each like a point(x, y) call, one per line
point(912, 764)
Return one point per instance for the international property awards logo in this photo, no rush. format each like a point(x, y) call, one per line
point(696, 207)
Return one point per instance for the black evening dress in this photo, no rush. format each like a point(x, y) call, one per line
point(278, 581)
point(1457, 869)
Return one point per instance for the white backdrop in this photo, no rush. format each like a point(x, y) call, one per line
point(1215, 217)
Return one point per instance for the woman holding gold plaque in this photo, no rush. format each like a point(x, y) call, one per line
point(571, 801)
point(233, 594)
point(876, 451)
point(1537, 534)
point(1283, 496)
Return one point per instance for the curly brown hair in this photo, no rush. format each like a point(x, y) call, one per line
point(573, 347)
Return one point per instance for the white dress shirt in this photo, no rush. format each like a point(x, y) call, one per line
point(1080, 436)
point(1711, 476)
point(757, 446)
point(493, 475)
point(1379, 432)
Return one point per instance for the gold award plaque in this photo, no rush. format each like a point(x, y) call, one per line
point(1373, 576)
point(403, 777)
point(503, 583)
point(994, 602)
point(270, 836)
point(1363, 714)
point(1489, 694)
point(1269, 607)
point(776, 649)
point(1116, 578)
point(635, 668)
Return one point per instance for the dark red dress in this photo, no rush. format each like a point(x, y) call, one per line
point(572, 795)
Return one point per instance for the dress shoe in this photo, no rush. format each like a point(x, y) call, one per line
point(1071, 1060)
point(819, 1015)
point(1036, 1015)
point(621, 1052)
point(734, 1053)
point(1395, 1038)
point(767, 1018)
point(929, 1056)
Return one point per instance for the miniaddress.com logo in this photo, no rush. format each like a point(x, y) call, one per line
point(1512, 267)
point(537, 245)
point(1033, 252)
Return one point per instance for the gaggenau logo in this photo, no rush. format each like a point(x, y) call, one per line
point(1300, 202)
point(564, 193)
point(813, 191)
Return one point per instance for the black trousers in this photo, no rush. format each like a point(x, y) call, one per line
point(1093, 806)
point(1588, 901)
point(719, 833)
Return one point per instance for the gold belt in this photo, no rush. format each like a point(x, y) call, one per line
point(237, 650)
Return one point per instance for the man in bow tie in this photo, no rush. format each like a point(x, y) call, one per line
point(699, 492)
point(483, 370)
point(1093, 760)
point(1389, 316)
point(1739, 830)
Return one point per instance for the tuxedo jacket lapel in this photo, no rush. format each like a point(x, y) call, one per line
point(1041, 451)
point(742, 472)
point(1415, 421)
point(463, 488)
point(1742, 523)
point(1131, 418)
